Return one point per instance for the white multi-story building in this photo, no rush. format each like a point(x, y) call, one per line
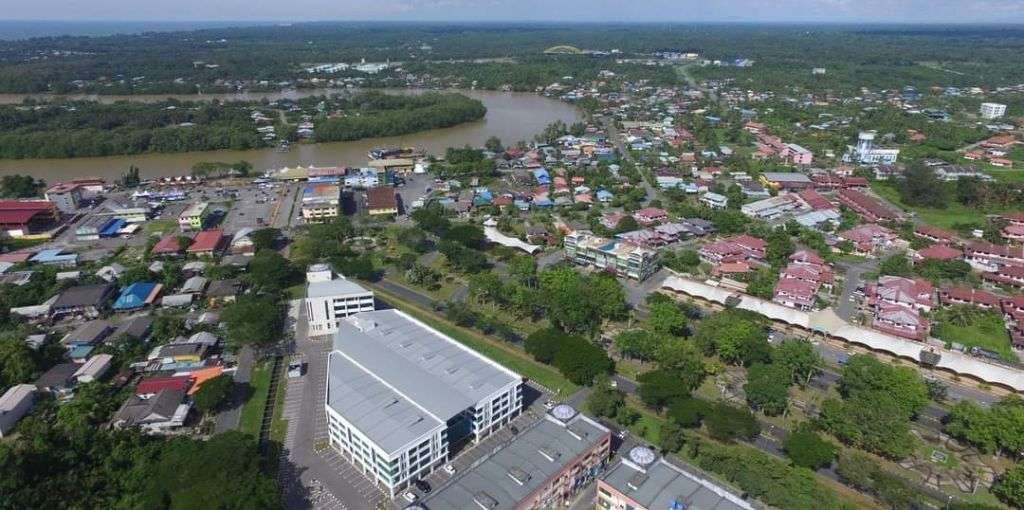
point(620, 257)
point(330, 298)
point(992, 110)
point(400, 392)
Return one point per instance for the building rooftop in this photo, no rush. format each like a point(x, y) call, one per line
point(521, 466)
point(395, 378)
point(335, 287)
point(207, 240)
point(663, 485)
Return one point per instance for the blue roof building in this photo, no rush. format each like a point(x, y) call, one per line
point(112, 227)
point(53, 257)
point(604, 195)
point(137, 295)
point(522, 205)
point(542, 176)
point(483, 197)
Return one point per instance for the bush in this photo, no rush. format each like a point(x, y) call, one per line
point(688, 412)
point(806, 448)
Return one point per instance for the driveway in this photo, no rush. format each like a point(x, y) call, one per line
point(848, 304)
point(228, 419)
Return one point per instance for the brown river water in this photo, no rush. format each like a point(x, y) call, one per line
point(511, 116)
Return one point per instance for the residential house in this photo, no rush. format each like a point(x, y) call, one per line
point(84, 300)
point(985, 256)
point(714, 200)
point(650, 215)
point(163, 412)
point(741, 248)
point(867, 207)
point(94, 368)
point(15, 403)
point(381, 201)
point(207, 243)
point(870, 238)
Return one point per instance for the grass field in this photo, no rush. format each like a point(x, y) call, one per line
point(161, 226)
point(252, 411)
point(986, 331)
point(508, 355)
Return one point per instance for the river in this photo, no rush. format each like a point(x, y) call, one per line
point(511, 116)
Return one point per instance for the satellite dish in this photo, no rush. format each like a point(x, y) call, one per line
point(563, 412)
point(642, 456)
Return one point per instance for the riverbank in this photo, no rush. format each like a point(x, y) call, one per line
point(511, 116)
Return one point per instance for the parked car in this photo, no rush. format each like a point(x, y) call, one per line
point(409, 496)
point(450, 469)
point(296, 369)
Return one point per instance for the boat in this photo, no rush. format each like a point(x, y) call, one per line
point(395, 153)
point(284, 146)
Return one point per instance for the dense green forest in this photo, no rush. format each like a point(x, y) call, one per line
point(381, 114)
point(268, 57)
point(82, 128)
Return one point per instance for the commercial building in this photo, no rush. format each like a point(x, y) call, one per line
point(543, 466)
point(869, 208)
point(381, 201)
point(15, 404)
point(642, 481)
point(65, 196)
point(775, 207)
point(400, 392)
point(193, 216)
point(992, 110)
point(330, 298)
point(19, 218)
point(320, 202)
point(619, 257)
point(792, 181)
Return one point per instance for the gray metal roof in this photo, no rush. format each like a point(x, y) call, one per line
point(336, 287)
point(380, 413)
point(663, 483)
point(418, 364)
point(529, 454)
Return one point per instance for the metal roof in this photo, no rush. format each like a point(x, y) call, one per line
point(336, 287)
point(417, 365)
point(520, 467)
point(662, 484)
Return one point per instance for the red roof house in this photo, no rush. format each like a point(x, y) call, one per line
point(207, 242)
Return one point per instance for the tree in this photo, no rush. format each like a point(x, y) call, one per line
point(738, 336)
point(578, 303)
point(767, 388)
point(493, 144)
point(799, 358)
point(626, 224)
point(778, 247)
point(253, 320)
point(466, 234)
point(762, 283)
point(213, 393)
point(20, 186)
point(870, 421)
point(726, 423)
point(919, 186)
point(896, 264)
point(581, 361)
point(17, 363)
point(806, 448)
point(1000, 427)
point(659, 388)
point(264, 238)
point(638, 344)
point(543, 344)
point(864, 375)
point(431, 218)
point(1009, 488)
point(665, 318)
point(671, 437)
point(414, 238)
point(169, 479)
point(604, 401)
point(269, 271)
point(688, 411)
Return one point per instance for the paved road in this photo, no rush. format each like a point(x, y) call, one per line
point(406, 293)
point(848, 303)
point(229, 418)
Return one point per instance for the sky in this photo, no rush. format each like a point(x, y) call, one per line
point(834, 11)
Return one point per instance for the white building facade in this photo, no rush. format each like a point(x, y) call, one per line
point(399, 393)
point(992, 110)
point(330, 298)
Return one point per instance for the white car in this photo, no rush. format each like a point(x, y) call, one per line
point(409, 496)
point(550, 404)
point(450, 469)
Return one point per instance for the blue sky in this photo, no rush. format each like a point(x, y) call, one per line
point(893, 11)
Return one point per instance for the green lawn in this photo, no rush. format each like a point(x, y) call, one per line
point(986, 331)
point(296, 291)
point(161, 226)
point(252, 412)
point(944, 218)
point(508, 355)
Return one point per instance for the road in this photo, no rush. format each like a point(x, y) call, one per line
point(229, 418)
point(848, 302)
point(620, 144)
